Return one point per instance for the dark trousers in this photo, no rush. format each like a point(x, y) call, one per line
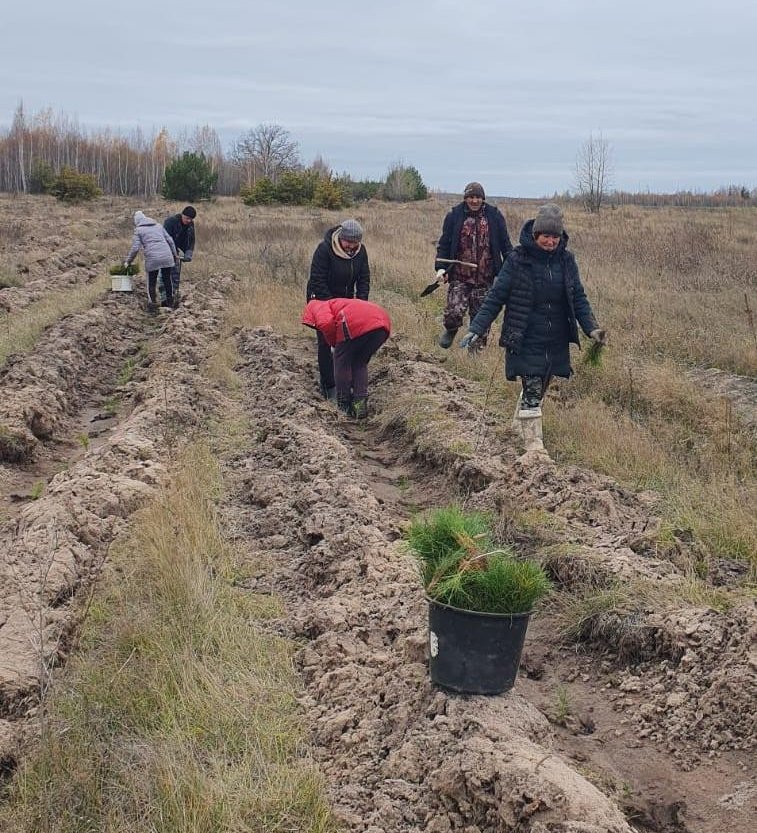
point(351, 364)
point(152, 284)
point(463, 297)
point(176, 277)
point(325, 364)
point(534, 388)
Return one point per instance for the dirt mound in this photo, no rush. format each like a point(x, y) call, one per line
point(54, 548)
point(398, 754)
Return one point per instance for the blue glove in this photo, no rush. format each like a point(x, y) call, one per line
point(469, 339)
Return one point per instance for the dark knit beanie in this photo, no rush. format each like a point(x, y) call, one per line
point(474, 189)
point(351, 231)
point(189, 212)
point(548, 220)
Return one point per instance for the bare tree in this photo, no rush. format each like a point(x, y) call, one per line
point(593, 172)
point(266, 151)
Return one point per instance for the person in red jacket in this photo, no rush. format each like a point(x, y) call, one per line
point(355, 329)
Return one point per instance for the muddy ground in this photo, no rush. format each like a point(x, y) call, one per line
point(645, 721)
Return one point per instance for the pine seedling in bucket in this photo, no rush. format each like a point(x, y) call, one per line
point(480, 599)
point(461, 567)
point(119, 269)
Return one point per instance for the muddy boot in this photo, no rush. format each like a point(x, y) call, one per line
point(152, 307)
point(527, 425)
point(359, 408)
point(344, 405)
point(446, 338)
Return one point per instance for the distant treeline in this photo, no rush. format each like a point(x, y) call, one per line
point(728, 195)
point(42, 144)
point(261, 163)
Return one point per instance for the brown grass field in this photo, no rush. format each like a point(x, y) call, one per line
point(165, 699)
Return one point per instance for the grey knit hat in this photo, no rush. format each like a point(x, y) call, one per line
point(351, 231)
point(548, 220)
point(474, 189)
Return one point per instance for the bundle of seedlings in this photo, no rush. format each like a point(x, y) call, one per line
point(461, 567)
point(593, 353)
point(120, 269)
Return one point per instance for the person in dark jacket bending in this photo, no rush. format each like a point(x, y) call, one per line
point(544, 301)
point(339, 269)
point(181, 228)
point(474, 232)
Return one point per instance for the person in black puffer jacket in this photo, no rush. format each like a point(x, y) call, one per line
point(339, 269)
point(544, 301)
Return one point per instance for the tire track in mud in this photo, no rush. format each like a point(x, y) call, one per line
point(324, 500)
point(54, 547)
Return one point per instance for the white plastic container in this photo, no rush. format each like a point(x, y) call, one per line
point(121, 283)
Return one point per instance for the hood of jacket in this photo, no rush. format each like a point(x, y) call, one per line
point(141, 219)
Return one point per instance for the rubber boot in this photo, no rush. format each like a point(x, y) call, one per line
point(447, 338)
point(344, 405)
point(328, 392)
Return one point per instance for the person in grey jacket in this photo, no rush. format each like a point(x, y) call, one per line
point(160, 257)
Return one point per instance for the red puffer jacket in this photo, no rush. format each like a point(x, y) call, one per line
point(341, 319)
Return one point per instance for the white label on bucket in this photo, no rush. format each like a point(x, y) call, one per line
point(433, 642)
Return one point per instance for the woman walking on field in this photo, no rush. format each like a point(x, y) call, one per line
point(544, 301)
point(160, 257)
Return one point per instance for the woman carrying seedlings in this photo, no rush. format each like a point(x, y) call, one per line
point(160, 257)
point(355, 329)
point(544, 301)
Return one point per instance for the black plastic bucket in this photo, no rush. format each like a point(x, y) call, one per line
point(475, 653)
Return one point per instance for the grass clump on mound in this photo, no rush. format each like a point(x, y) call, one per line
point(461, 567)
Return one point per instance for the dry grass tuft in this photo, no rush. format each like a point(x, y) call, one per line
point(19, 332)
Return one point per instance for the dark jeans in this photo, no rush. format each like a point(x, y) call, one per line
point(152, 283)
point(351, 364)
point(176, 277)
point(325, 363)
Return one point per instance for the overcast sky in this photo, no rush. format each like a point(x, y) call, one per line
point(491, 90)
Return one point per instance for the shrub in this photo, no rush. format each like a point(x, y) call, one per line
point(189, 178)
point(263, 192)
point(460, 567)
point(71, 186)
point(296, 187)
point(403, 184)
point(41, 178)
point(329, 193)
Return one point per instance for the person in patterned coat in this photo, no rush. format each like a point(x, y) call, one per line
point(474, 232)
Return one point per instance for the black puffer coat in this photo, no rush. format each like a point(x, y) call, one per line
point(332, 276)
point(544, 303)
